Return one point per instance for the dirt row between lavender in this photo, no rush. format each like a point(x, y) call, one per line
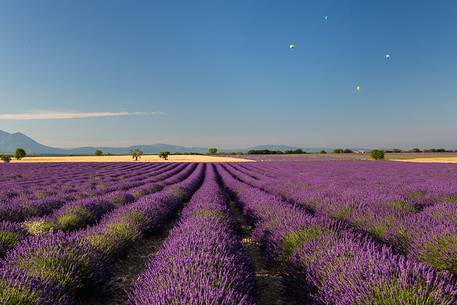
point(127, 269)
point(270, 285)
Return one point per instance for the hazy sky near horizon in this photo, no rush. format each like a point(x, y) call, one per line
point(221, 73)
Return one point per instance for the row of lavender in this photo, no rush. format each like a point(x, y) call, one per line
point(421, 227)
point(78, 214)
point(364, 181)
point(36, 200)
point(74, 215)
point(28, 182)
point(202, 261)
point(19, 208)
point(56, 268)
point(330, 264)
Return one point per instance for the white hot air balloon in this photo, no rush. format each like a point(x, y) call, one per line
point(387, 56)
point(292, 46)
point(358, 88)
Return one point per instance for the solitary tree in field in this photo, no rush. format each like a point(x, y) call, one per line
point(322, 152)
point(5, 158)
point(295, 151)
point(19, 153)
point(98, 152)
point(164, 155)
point(136, 154)
point(377, 154)
point(415, 150)
point(212, 150)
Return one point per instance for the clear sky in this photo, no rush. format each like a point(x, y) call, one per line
point(222, 73)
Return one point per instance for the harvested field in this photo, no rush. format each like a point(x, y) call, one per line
point(145, 158)
point(429, 160)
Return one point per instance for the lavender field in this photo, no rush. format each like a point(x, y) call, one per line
point(289, 232)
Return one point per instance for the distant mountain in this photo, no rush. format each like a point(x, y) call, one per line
point(274, 147)
point(147, 149)
point(10, 141)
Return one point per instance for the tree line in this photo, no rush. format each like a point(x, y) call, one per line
point(136, 153)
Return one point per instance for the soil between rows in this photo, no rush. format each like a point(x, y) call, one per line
point(128, 268)
point(270, 287)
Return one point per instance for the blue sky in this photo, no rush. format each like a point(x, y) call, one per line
point(220, 73)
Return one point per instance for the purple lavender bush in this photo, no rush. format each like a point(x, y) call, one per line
point(345, 269)
point(18, 288)
point(59, 258)
point(10, 235)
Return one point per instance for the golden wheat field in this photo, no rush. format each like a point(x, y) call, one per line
point(430, 160)
point(145, 158)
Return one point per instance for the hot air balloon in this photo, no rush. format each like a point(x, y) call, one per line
point(292, 45)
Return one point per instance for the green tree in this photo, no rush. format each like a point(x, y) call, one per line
point(98, 152)
point(19, 153)
point(338, 151)
point(212, 150)
point(136, 154)
point(295, 151)
point(377, 154)
point(415, 150)
point(322, 152)
point(164, 155)
point(5, 158)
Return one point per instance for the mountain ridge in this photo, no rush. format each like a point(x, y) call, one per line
point(10, 141)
